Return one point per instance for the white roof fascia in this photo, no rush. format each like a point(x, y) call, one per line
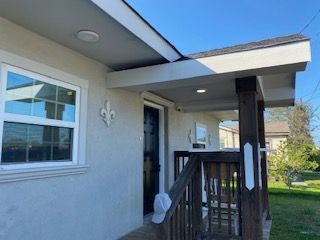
point(122, 13)
point(282, 58)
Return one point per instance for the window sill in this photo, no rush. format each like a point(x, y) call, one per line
point(38, 173)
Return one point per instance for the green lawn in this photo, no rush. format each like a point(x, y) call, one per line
point(296, 213)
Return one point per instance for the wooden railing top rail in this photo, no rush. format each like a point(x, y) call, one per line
point(179, 186)
point(215, 156)
point(228, 157)
point(182, 153)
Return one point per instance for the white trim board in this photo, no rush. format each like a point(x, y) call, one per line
point(39, 173)
point(159, 100)
point(278, 59)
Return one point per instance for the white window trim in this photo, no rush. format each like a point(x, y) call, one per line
point(9, 173)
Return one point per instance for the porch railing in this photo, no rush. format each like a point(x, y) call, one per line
point(216, 175)
point(183, 219)
point(222, 188)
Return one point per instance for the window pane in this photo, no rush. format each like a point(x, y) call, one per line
point(35, 143)
point(61, 151)
point(62, 135)
point(19, 85)
point(27, 96)
point(66, 96)
point(65, 112)
point(45, 91)
point(39, 153)
point(14, 144)
point(39, 134)
point(19, 105)
point(44, 109)
point(19, 94)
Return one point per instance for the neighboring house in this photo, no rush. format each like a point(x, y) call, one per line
point(275, 133)
point(229, 137)
point(94, 102)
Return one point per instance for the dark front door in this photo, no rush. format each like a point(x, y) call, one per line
point(151, 167)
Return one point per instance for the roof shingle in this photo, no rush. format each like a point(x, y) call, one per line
point(249, 46)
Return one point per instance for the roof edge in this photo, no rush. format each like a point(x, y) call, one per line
point(153, 28)
point(129, 18)
point(266, 43)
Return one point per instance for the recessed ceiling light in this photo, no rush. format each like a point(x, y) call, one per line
point(88, 36)
point(201, 90)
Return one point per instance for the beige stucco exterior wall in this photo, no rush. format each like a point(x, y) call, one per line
point(228, 138)
point(179, 127)
point(106, 201)
point(274, 142)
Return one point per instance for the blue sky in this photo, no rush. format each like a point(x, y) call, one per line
point(194, 26)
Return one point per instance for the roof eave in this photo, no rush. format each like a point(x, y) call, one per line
point(135, 23)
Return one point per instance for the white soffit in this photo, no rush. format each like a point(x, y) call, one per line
point(275, 67)
point(127, 17)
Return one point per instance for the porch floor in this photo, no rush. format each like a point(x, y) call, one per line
point(150, 231)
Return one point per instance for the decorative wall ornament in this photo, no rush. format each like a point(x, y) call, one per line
point(190, 136)
point(107, 114)
point(210, 139)
point(248, 166)
point(201, 133)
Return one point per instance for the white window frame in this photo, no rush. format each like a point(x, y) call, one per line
point(78, 166)
point(8, 58)
point(27, 119)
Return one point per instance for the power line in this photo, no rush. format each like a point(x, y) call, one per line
point(311, 21)
point(317, 35)
point(314, 91)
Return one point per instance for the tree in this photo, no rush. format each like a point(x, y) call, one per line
point(292, 159)
point(299, 119)
point(298, 153)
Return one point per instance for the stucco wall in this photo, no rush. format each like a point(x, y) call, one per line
point(229, 139)
point(180, 124)
point(274, 142)
point(106, 201)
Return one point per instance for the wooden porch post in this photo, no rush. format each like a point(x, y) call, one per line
point(247, 89)
point(264, 165)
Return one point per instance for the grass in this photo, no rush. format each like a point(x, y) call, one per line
point(296, 212)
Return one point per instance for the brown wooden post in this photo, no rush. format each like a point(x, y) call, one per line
point(247, 89)
point(262, 140)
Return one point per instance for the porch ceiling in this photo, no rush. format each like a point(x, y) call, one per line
point(275, 63)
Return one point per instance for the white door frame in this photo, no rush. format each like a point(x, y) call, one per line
point(161, 142)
